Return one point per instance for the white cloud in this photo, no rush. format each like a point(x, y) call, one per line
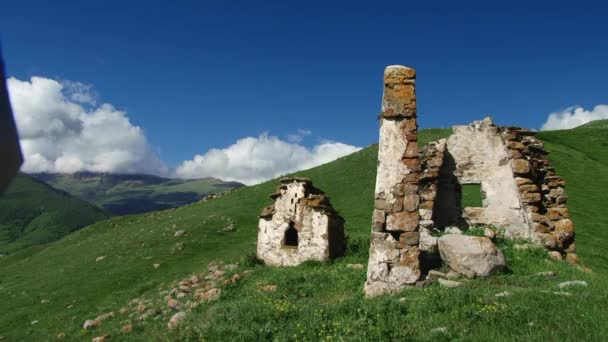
point(58, 134)
point(253, 160)
point(298, 136)
point(574, 116)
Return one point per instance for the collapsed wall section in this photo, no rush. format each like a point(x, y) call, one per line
point(541, 192)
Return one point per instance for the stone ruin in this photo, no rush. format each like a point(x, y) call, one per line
point(419, 192)
point(300, 225)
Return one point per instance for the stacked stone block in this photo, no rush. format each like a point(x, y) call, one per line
point(542, 192)
point(394, 260)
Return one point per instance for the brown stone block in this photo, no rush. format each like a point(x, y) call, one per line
point(412, 163)
point(409, 126)
point(571, 248)
point(515, 145)
point(411, 136)
point(403, 221)
point(378, 220)
point(563, 237)
point(549, 241)
point(522, 181)
point(426, 205)
point(410, 257)
point(397, 205)
point(557, 213)
point(562, 199)
point(410, 202)
point(531, 197)
point(532, 208)
point(411, 151)
point(572, 258)
point(564, 225)
point(380, 203)
point(529, 188)
point(396, 74)
point(413, 178)
point(520, 166)
point(409, 239)
point(515, 154)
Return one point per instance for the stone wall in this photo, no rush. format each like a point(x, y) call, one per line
point(540, 191)
point(480, 157)
point(394, 254)
point(307, 214)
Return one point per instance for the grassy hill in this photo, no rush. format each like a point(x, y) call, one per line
point(122, 194)
point(32, 213)
point(595, 124)
point(61, 285)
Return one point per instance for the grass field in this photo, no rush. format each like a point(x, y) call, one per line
point(314, 301)
point(32, 213)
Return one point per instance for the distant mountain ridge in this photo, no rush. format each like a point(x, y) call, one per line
point(122, 194)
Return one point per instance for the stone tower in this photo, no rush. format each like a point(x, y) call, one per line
point(394, 253)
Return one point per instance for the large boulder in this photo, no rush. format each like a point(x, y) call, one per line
point(471, 255)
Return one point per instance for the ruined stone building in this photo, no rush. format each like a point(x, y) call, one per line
point(300, 225)
point(419, 193)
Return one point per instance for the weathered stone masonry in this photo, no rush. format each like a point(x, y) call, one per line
point(300, 225)
point(394, 254)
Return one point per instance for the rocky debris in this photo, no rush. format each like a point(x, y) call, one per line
point(102, 338)
point(572, 258)
point(448, 283)
point(489, 233)
point(105, 316)
point(522, 246)
point(562, 293)
point(174, 304)
point(90, 324)
point(230, 228)
point(100, 258)
point(503, 294)
point(452, 274)
point(123, 310)
point(268, 288)
point(34, 322)
point(572, 283)
point(355, 266)
point(453, 230)
point(141, 308)
point(45, 301)
point(61, 336)
point(433, 274)
point(439, 330)
point(176, 320)
point(471, 255)
point(231, 267)
point(208, 296)
point(179, 233)
point(555, 255)
point(420, 284)
point(156, 266)
point(127, 328)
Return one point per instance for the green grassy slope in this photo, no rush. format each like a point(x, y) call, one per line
point(314, 301)
point(129, 194)
point(32, 212)
point(595, 124)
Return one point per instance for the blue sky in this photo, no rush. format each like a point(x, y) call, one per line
point(204, 74)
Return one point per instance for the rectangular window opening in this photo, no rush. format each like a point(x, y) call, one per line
point(472, 195)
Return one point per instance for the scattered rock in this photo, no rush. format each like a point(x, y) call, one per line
point(99, 258)
point(423, 283)
point(452, 274)
point(105, 316)
point(453, 230)
point(209, 295)
point(156, 265)
point(34, 322)
point(102, 338)
point(194, 279)
point(439, 330)
point(176, 320)
point(503, 294)
point(127, 328)
point(471, 255)
point(572, 283)
point(355, 266)
point(90, 324)
point(572, 258)
point(433, 274)
point(45, 301)
point(181, 295)
point(555, 255)
point(231, 267)
point(448, 283)
point(489, 233)
point(562, 293)
point(174, 304)
point(229, 228)
point(123, 311)
point(268, 288)
point(584, 269)
point(141, 308)
point(179, 233)
point(61, 336)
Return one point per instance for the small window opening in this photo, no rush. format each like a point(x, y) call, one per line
point(291, 236)
point(472, 195)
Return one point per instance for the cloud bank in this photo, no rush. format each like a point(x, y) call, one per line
point(62, 129)
point(253, 160)
point(574, 116)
